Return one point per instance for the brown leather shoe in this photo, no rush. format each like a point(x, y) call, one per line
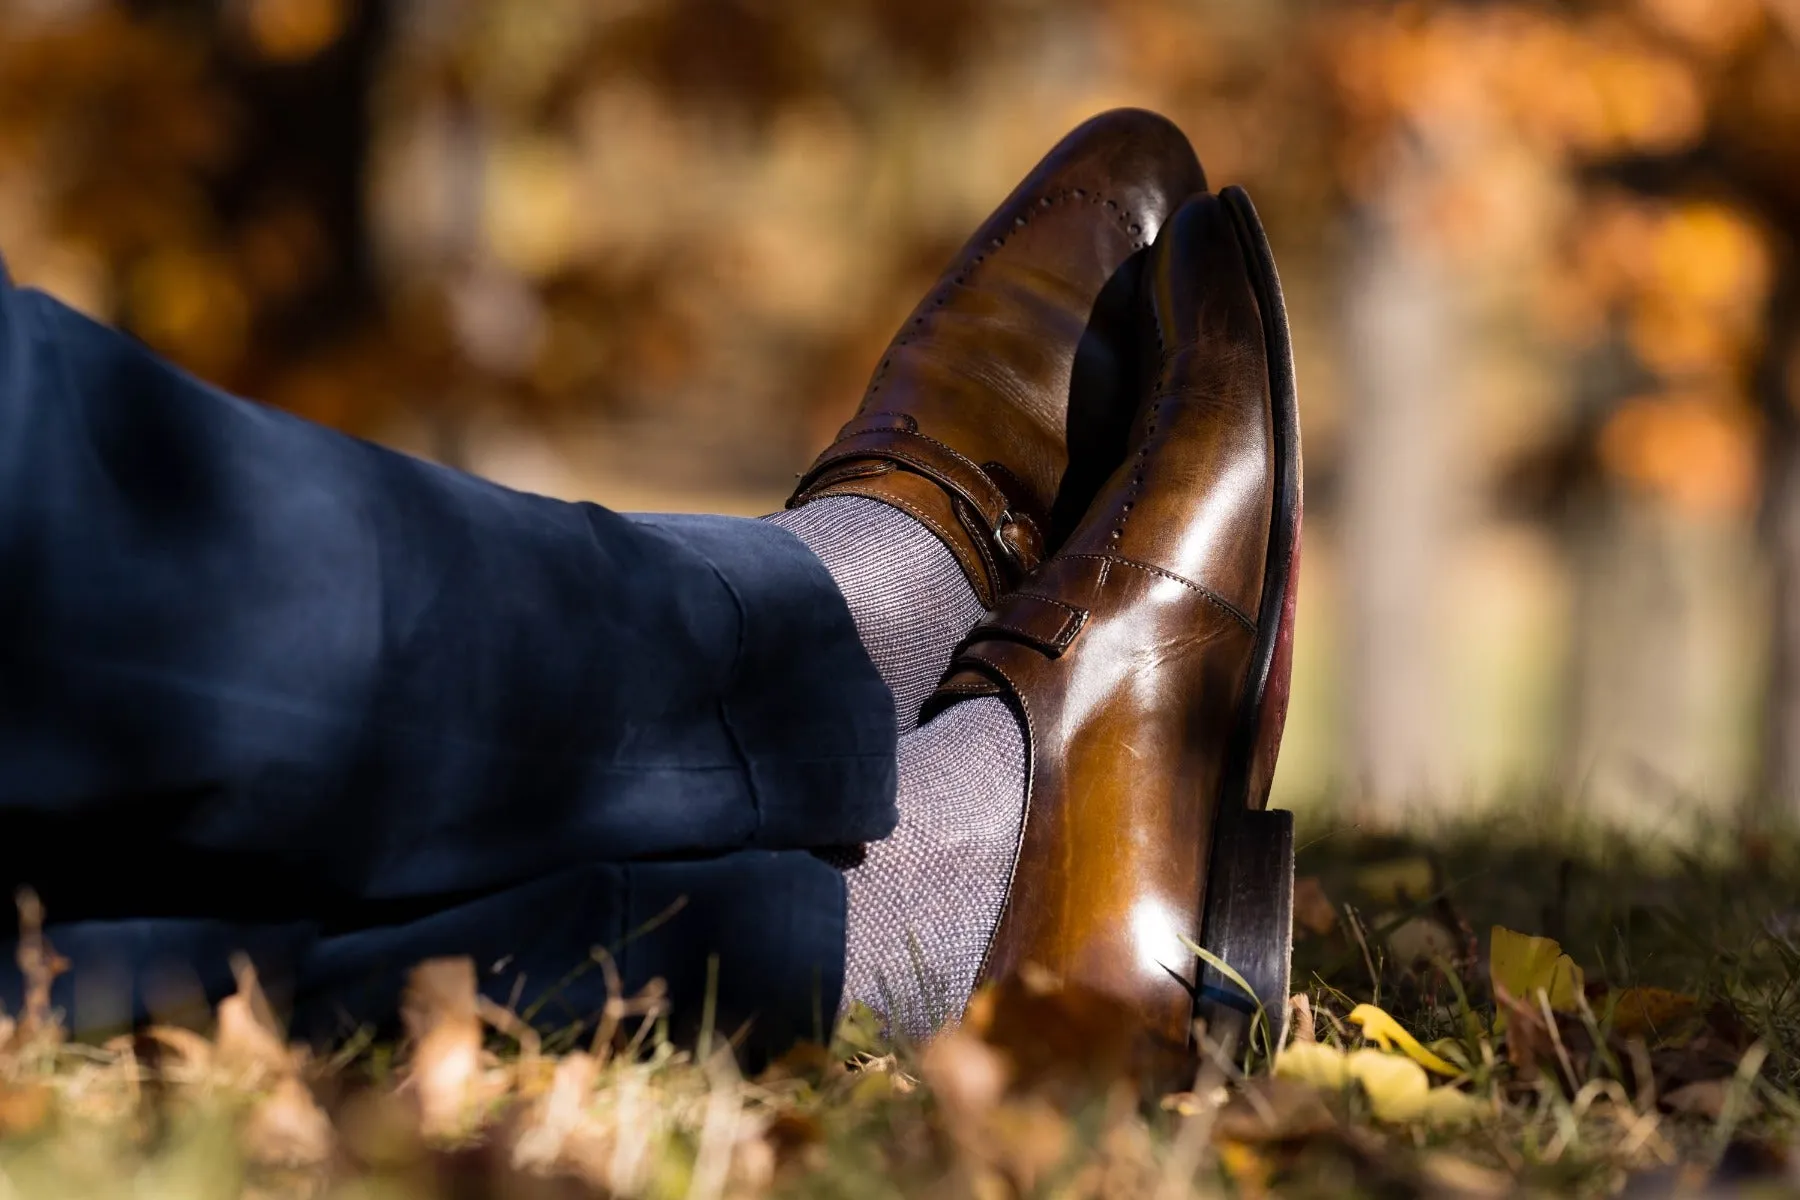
point(1149, 656)
point(965, 423)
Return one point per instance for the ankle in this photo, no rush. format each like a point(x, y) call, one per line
point(906, 592)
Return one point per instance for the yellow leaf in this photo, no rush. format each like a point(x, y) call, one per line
point(1382, 1029)
point(1315, 1063)
point(1526, 965)
point(1398, 1088)
point(1248, 1167)
point(1447, 1106)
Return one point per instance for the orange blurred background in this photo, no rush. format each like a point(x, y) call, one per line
point(1540, 259)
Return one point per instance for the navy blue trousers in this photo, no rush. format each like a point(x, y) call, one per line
point(267, 687)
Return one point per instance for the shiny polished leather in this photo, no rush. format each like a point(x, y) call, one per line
point(965, 422)
point(1132, 653)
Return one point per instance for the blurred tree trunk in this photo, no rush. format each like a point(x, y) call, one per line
point(1778, 391)
point(1642, 663)
point(1401, 366)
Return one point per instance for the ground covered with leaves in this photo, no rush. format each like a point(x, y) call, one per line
point(1478, 1013)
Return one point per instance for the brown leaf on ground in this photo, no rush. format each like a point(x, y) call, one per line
point(40, 964)
point(1653, 1014)
point(379, 1129)
point(1313, 910)
point(1301, 1025)
point(1455, 1176)
point(249, 1046)
point(1054, 1035)
point(794, 1137)
point(178, 1055)
point(1528, 1040)
point(803, 1060)
point(1027, 1139)
point(1706, 1098)
point(558, 1133)
point(444, 1070)
point(287, 1128)
point(967, 1075)
point(1712, 1052)
point(1270, 1109)
point(24, 1107)
point(1563, 1043)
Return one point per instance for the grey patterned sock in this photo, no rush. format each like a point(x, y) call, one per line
point(924, 901)
point(907, 595)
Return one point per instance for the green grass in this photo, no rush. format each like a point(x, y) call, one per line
point(1044, 1096)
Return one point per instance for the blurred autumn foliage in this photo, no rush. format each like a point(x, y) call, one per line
point(1541, 257)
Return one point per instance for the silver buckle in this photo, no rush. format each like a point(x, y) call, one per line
point(1007, 550)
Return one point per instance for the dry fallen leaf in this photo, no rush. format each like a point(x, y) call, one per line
point(38, 1025)
point(1313, 909)
point(249, 1047)
point(1460, 1177)
point(287, 1128)
point(1054, 1035)
point(1651, 1013)
point(1528, 1040)
point(444, 1071)
point(1027, 1139)
point(1273, 1109)
point(547, 1128)
point(1301, 1027)
point(24, 1107)
point(1703, 1099)
point(966, 1074)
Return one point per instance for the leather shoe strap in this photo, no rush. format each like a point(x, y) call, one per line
point(1008, 539)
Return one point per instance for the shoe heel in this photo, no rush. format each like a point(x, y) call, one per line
point(1249, 924)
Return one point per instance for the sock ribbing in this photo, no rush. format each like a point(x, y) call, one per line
point(906, 592)
point(926, 899)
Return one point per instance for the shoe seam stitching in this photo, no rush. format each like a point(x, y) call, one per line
point(1044, 202)
point(1204, 592)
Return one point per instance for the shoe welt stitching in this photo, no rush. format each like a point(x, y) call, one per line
point(1205, 593)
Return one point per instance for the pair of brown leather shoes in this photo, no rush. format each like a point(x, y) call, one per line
point(1094, 410)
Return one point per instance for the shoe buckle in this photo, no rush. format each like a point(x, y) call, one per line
point(1008, 551)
